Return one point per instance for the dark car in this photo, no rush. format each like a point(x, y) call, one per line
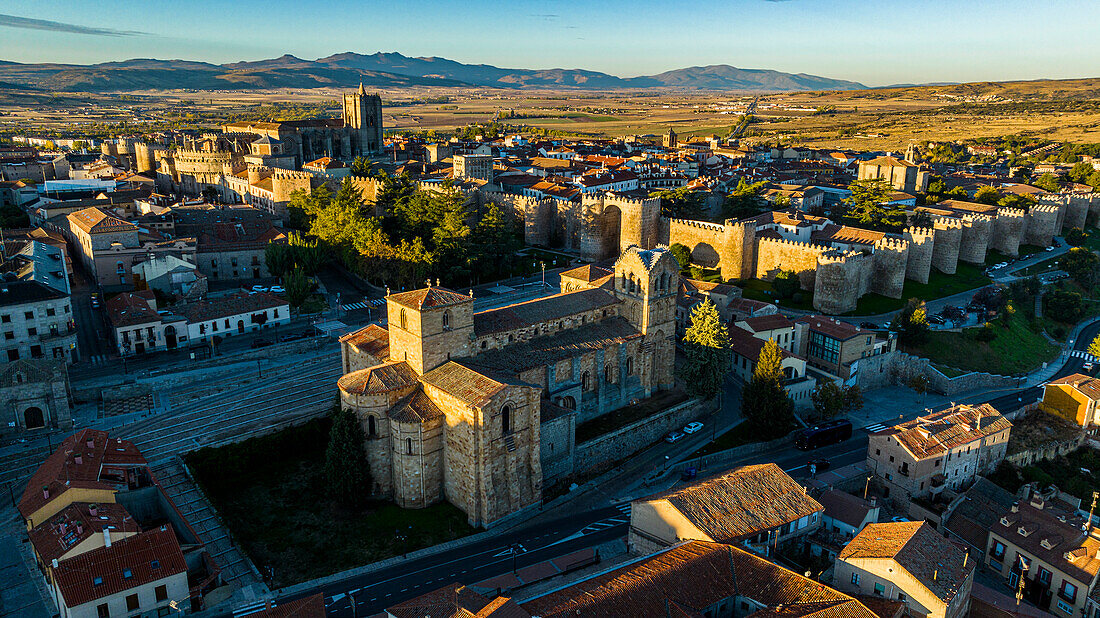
point(293, 337)
point(261, 343)
point(689, 474)
point(819, 465)
point(673, 436)
point(871, 325)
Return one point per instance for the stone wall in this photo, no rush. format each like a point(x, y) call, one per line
point(842, 277)
point(601, 453)
point(417, 462)
point(1008, 231)
point(975, 238)
point(889, 263)
point(1042, 225)
point(705, 240)
point(557, 446)
point(777, 254)
point(948, 239)
point(919, 262)
point(898, 368)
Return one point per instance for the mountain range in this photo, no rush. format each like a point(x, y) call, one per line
point(383, 70)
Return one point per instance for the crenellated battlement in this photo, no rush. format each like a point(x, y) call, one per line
point(1043, 209)
point(940, 222)
point(840, 256)
point(1010, 212)
point(291, 175)
point(616, 199)
point(924, 232)
point(793, 243)
point(976, 217)
point(706, 225)
point(889, 243)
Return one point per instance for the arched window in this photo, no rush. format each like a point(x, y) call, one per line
point(584, 381)
point(630, 366)
point(409, 446)
point(607, 375)
point(446, 320)
point(404, 320)
point(372, 427)
point(505, 420)
point(569, 403)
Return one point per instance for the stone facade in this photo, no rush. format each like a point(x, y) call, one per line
point(480, 409)
point(35, 394)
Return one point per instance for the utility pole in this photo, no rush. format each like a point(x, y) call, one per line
point(866, 487)
point(1088, 524)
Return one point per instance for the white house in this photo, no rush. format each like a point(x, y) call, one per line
point(233, 315)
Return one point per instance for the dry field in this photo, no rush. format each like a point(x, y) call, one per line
point(868, 119)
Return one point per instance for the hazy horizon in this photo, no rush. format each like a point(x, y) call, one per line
point(879, 43)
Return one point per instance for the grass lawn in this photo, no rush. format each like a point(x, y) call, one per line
point(758, 289)
point(1016, 349)
point(624, 416)
point(1037, 269)
point(1092, 243)
point(966, 277)
point(270, 491)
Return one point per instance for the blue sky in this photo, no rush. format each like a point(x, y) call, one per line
point(877, 43)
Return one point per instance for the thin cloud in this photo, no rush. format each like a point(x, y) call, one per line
point(27, 23)
point(546, 16)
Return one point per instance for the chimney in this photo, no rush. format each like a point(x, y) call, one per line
point(1016, 507)
point(106, 537)
point(78, 459)
point(93, 510)
point(90, 443)
point(874, 501)
point(45, 492)
point(79, 528)
point(54, 563)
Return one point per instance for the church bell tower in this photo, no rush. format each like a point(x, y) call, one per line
point(363, 117)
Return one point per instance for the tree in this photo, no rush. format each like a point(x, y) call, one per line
point(1081, 264)
point(866, 205)
point(1094, 347)
point(347, 474)
point(1081, 172)
point(744, 201)
point(987, 195)
point(1048, 182)
point(298, 287)
point(1064, 306)
point(1075, 237)
point(786, 284)
point(707, 357)
point(911, 323)
point(361, 167)
point(764, 402)
point(681, 203)
point(831, 399)
point(919, 383)
point(682, 254)
point(1094, 180)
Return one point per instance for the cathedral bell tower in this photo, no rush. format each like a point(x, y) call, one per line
point(428, 327)
point(363, 119)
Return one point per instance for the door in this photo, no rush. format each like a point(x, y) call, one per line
point(139, 347)
point(33, 418)
point(170, 337)
point(240, 326)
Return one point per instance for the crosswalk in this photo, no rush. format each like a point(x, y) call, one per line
point(363, 305)
point(1083, 354)
point(610, 522)
point(97, 359)
point(875, 428)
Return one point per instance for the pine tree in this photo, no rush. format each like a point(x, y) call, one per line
point(707, 351)
point(346, 469)
point(764, 402)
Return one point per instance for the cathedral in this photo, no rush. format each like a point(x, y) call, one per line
point(480, 409)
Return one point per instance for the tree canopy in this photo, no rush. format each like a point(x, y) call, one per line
point(346, 470)
point(866, 206)
point(764, 402)
point(707, 354)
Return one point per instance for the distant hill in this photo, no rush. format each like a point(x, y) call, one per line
point(383, 70)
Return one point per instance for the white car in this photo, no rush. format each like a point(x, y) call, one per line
point(692, 427)
point(259, 288)
point(277, 289)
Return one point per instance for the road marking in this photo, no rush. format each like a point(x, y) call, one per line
point(874, 428)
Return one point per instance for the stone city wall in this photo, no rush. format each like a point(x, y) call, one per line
point(919, 261)
point(842, 277)
point(1042, 225)
point(888, 267)
point(774, 255)
point(705, 240)
point(975, 238)
point(948, 239)
point(1008, 231)
point(898, 368)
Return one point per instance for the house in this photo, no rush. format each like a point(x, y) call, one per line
point(746, 348)
point(170, 275)
point(699, 578)
point(941, 451)
point(1057, 553)
point(144, 573)
point(138, 328)
point(836, 346)
point(846, 514)
point(972, 514)
point(757, 507)
point(36, 321)
point(1074, 398)
point(236, 314)
point(723, 295)
point(899, 174)
point(909, 562)
point(742, 308)
point(775, 327)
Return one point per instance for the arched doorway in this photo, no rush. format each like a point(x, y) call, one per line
point(170, 337)
point(240, 326)
point(568, 402)
point(33, 418)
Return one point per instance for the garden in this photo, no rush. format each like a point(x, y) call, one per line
point(272, 494)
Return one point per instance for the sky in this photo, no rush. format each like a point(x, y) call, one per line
point(877, 43)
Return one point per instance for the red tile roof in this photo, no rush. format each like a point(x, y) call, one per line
point(539, 310)
point(456, 601)
point(61, 471)
point(933, 434)
point(130, 309)
point(924, 553)
point(308, 607)
point(845, 507)
point(76, 577)
point(94, 221)
point(372, 339)
point(429, 297)
point(470, 385)
point(75, 523)
point(232, 305)
point(1086, 385)
point(837, 329)
point(749, 345)
point(390, 376)
point(741, 503)
point(763, 323)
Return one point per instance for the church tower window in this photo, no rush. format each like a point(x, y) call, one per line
point(409, 446)
point(585, 381)
point(630, 366)
point(506, 420)
point(404, 320)
point(446, 320)
point(372, 427)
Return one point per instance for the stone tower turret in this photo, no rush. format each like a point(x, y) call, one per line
point(363, 114)
point(429, 326)
point(647, 281)
point(669, 139)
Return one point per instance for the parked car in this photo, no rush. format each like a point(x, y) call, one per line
point(693, 427)
point(261, 343)
point(277, 289)
point(673, 436)
point(293, 337)
point(95, 301)
point(1087, 367)
point(871, 325)
point(259, 288)
point(1051, 248)
point(820, 464)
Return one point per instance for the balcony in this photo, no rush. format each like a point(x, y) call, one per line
point(903, 470)
point(937, 484)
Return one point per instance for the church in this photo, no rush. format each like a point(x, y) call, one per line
point(480, 409)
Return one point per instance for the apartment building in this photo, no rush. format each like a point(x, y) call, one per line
point(1074, 398)
point(835, 346)
point(36, 321)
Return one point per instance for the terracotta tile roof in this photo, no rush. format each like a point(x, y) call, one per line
point(741, 503)
point(308, 607)
point(130, 309)
point(1086, 385)
point(723, 289)
point(76, 577)
point(541, 310)
point(389, 376)
point(749, 345)
point(372, 339)
point(763, 323)
point(795, 218)
point(933, 434)
point(847, 234)
point(975, 515)
point(686, 579)
point(967, 207)
point(61, 471)
point(426, 298)
point(837, 329)
point(75, 523)
point(470, 384)
point(416, 408)
point(95, 221)
point(450, 601)
point(916, 547)
point(1051, 540)
point(547, 349)
point(746, 305)
point(845, 507)
point(889, 162)
point(882, 607)
point(588, 272)
point(229, 306)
